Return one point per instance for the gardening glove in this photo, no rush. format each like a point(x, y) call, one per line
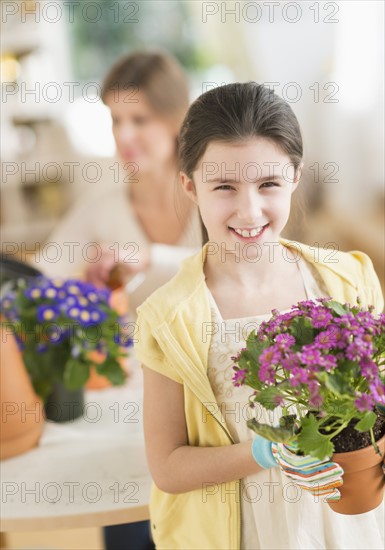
point(320, 478)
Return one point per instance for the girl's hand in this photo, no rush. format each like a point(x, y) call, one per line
point(321, 478)
point(113, 271)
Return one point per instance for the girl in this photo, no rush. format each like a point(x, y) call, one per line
point(216, 485)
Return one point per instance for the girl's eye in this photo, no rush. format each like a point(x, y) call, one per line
point(224, 187)
point(140, 120)
point(269, 184)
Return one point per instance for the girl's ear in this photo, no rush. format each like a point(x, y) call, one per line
point(188, 187)
point(297, 177)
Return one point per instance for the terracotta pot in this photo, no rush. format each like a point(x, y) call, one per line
point(97, 381)
point(119, 301)
point(364, 480)
point(22, 416)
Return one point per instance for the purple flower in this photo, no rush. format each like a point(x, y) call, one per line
point(378, 391)
point(239, 377)
point(279, 400)
point(320, 317)
point(315, 399)
point(270, 356)
point(326, 339)
point(266, 374)
point(359, 348)
point(364, 402)
point(328, 362)
point(369, 369)
point(290, 362)
point(310, 355)
point(306, 305)
point(284, 341)
point(299, 376)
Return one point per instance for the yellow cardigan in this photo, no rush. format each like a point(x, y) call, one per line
point(173, 339)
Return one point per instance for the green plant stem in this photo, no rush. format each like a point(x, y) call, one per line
point(374, 443)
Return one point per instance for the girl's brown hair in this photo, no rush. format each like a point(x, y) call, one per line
point(233, 113)
point(158, 75)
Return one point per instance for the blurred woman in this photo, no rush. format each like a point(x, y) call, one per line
point(141, 222)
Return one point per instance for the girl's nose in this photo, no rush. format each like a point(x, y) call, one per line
point(249, 208)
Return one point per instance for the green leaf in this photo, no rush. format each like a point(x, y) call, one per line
point(288, 421)
point(311, 441)
point(349, 368)
point(76, 374)
point(338, 308)
point(367, 422)
point(337, 383)
point(277, 434)
point(255, 347)
point(302, 329)
point(111, 369)
point(267, 397)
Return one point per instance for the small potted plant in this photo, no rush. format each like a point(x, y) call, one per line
point(58, 324)
point(322, 365)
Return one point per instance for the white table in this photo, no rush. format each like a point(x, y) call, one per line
point(85, 473)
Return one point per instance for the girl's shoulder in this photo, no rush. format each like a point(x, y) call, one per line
point(353, 268)
point(183, 287)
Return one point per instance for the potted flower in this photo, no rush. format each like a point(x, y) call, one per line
point(322, 365)
point(58, 324)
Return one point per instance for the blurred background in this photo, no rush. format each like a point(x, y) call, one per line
point(325, 58)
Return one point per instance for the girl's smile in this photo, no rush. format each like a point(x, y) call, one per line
point(248, 234)
point(243, 190)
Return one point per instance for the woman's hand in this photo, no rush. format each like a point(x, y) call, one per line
point(321, 478)
point(113, 270)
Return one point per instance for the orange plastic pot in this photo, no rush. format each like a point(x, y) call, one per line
point(364, 480)
point(118, 301)
point(22, 416)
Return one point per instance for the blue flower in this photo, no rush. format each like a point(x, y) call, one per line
point(123, 340)
point(34, 293)
point(8, 306)
point(50, 292)
point(41, 347)
point(55, 334)
point(47, 313)
point(84, 317)
point(97, 315)
point(73, 287)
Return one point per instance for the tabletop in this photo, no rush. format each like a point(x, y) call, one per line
point(85, 473)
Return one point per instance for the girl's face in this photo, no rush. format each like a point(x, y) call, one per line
point(243, 190)
point(141, 136)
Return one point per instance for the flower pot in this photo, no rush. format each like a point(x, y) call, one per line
point(119, 301)
point(63, 405)
point(364, 480)
point(22, 418)
point(97, 381)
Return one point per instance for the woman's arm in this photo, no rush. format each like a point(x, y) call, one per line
point(175, 466)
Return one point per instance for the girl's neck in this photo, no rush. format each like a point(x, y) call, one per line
point(223, 269)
